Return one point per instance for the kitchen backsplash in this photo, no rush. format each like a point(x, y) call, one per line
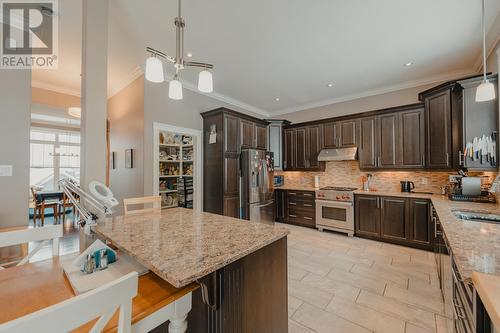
point(347, 173)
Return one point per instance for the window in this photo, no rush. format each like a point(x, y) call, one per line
point(55, 155)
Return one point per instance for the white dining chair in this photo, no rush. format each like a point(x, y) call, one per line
point(99, 303)
point(43, 235)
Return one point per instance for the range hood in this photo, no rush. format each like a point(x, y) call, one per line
point(339, 154)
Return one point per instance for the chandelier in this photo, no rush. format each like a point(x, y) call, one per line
point(154, 64)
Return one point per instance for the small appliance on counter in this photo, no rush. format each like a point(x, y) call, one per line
point(469, 189)
point(278, 180)
point(407, 186)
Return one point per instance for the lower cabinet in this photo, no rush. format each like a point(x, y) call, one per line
point(295, 207)
point(404, 221)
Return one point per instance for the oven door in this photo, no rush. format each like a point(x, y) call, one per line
point(335, 215)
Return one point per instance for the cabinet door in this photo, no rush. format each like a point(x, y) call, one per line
point(367, 215)
point(276, 145)
point(394, 217)
point(247, 134)
point(329, 136)
point(420, 223)
point(347, 133)
point(438, 118)
point(300, 148)
point(411, 150)
point(313, 146)
point(367, 143)
point(388, 133)
point(280, 205)
point(231, 176)
point(232, 134)
point(261, 136)
point(289, 149)
point(232, 206)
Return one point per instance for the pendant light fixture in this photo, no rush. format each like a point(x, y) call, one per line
point(75, 111)
point(154, 64)
point(486, 90)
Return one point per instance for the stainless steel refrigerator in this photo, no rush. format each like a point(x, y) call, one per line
point(256, 191)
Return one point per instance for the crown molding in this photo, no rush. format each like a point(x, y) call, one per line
point(379, 91)
point(55, 88)
point(131, 77)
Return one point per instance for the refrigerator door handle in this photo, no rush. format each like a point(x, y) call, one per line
point(265, 204)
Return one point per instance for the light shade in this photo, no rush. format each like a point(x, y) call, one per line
point(175, 89)
point(154, 70)
point(205, 82)
point(485, 91)
point(75, 112)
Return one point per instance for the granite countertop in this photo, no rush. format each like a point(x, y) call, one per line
point(475, 245)
point(181, 245)
point(297, 188)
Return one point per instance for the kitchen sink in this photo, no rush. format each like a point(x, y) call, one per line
point(478, 216)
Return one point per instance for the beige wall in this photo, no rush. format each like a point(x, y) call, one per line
point(52, 98)
point(15, 97)
point(396, 98)
point(126, 116)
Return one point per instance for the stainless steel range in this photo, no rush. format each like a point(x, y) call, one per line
point(335, 209)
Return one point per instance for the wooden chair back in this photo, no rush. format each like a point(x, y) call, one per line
point(99, 303)
point(42, 234)
point(155, 201)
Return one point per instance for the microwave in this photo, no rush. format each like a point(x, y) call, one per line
point(279, 180)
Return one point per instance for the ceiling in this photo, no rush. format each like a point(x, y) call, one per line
point(289, 49)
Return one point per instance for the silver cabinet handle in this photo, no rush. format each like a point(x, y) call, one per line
point(292, 193)
point(291, 215)
point(460, 160)
point(308, 205)
point(307, 194)
point(435, 226)
point(378, 202)
point(423, 160)
point(307, 218)
point(292, 203)
point(447, 159)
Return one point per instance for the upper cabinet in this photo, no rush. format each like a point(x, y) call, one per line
point(253, 134)
point(340, 134)
point(301, 146)
point(411, 144)
point(260, 136)
point(443, 113)
point(367, 148)
point(275, 137)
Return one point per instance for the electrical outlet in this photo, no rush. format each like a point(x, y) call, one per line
point(454, 178)
point(5, 170)
point(424, 181)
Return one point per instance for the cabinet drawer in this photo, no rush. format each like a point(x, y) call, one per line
point(301, 196)
point(300, 204)
point(297, 216)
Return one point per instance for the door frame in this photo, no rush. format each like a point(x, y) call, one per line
point(198, 174)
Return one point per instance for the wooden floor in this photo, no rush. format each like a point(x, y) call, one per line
point(338, 284)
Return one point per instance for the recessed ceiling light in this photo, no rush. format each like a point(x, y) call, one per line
point(408, 64)
point(277, 99)
point(189, 55)
point(329, 85)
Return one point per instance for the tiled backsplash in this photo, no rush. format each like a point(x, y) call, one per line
point(347, 173)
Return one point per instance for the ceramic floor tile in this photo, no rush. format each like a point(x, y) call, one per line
point(443, 324)
point(294, 327)
point(293, 305)
point(425, 302)
point(397, 269)
point(336, 288)
point(365, 316)
point(381, 274)
point(309, 294)
point(325, 322)
point(355, 280)
point(410, 328)
point(296, 273)
point(414, 315)
point(423, 287)
point(310, 266)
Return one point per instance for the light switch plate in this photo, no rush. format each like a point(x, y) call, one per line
point(5, 170)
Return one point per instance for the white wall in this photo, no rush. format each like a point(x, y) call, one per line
point(15, 97)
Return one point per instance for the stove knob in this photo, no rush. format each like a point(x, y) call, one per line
point(338, 197)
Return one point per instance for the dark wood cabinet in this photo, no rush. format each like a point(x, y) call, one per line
point(313, 146)
point(261, 136)
point(387, 134)
point(221, 169)
point(280, 204)
point(247, 134)
point(301, 146)
point(367, 144)
point(411, 149)
point(367, 215)
point(394, 218)
point(329, 135)
point(420, 222)
point(438, 118)
point(347, 133)
point(403, 221)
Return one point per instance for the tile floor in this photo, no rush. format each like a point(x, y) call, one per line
point(340, 284)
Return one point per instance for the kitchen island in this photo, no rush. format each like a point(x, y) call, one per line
point(241, 265)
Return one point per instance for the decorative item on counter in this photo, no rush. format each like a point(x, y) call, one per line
point(316, 181)
point(95, 258)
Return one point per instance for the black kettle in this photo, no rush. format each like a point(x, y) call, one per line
point(407, 186)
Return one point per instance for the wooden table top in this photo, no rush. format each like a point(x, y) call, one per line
point(32, 287)
point(488, 288)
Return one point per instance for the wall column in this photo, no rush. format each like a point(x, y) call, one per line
point(94, 90)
